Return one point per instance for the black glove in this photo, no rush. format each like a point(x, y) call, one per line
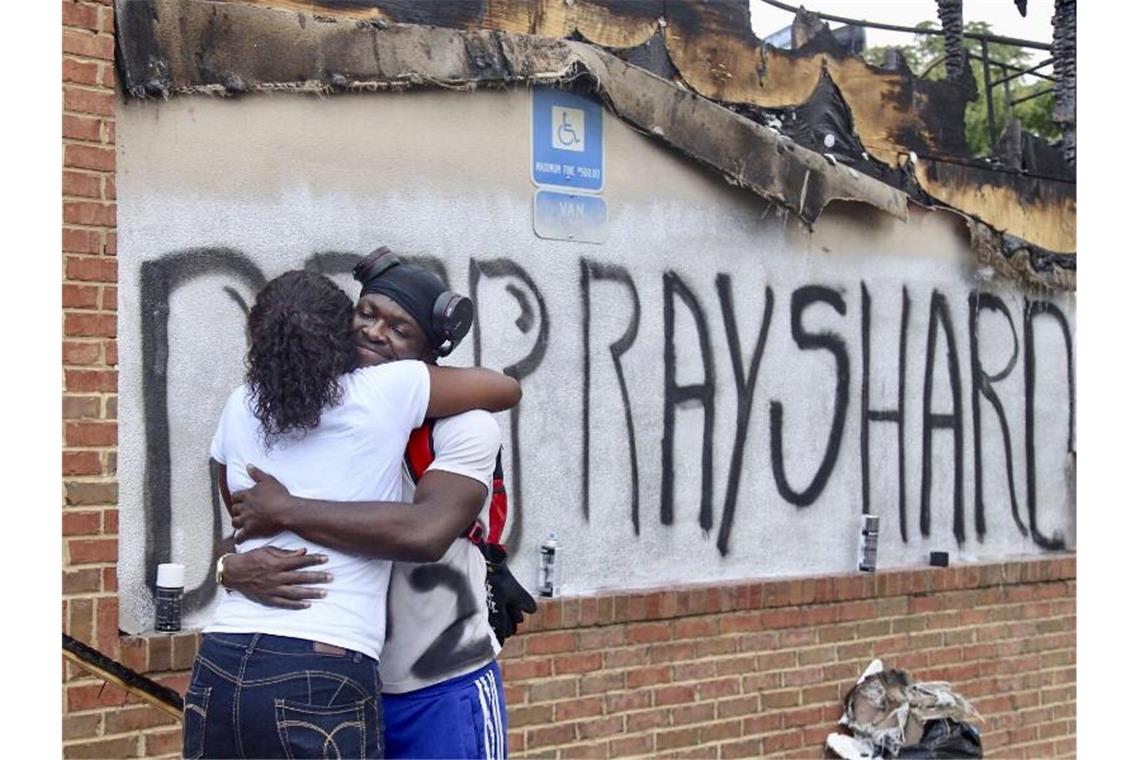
point(506, 599)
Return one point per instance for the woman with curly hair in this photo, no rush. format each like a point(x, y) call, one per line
point(271, 682)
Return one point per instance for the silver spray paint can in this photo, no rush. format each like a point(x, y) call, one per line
point(869, 543)
point(549, 572)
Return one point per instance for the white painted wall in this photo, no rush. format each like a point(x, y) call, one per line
point(277, 179)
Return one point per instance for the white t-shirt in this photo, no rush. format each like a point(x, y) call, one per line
point(437, 611)
point(354, 454)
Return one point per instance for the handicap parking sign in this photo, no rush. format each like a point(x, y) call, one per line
point(566, 142)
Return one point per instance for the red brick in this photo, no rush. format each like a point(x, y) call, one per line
point(714, 647)
point(550, 736)
point(82, 493)
point(578, 663)
point(626, 701)
point(774, 700)
point(100, 103)
point(642, 721)
point(89, 213)
point(81, 523)
point(110, 580)
point(111, 527)
point(674, 694)
point(641, 633)
point(80, 72)
point(81, 128)
point(544, 691)
point(737, 706)
point(600, 728)
point(601, 638)
point(109, 191)
point(81, 407)
point(82, 241)
point(693, 671)
point(108, 80)
point(81, 463)
point(784, 741)
point(636, 679)
point(91, 381)
point(89, 45)
point(87, 551)
point(530, 715)
point(120, 746)
point(747, 748)
point(112, 246)
point(522, 669)
point(82, 581)
point(686, 715)
point(81, 619)
point(713, 732)
point(803, 717)
point(83, 16)
point(696, 628)
point(80, 325)
point(80, 296)
point(89, 696)
point(547, 643)
point(107, 624)
point(578, 708)
point(82, 185)
point(722, 687)
point(601, 683)
point(624, 658)
point(631, 745)
point(684, 737)
point(136, 719)
point(81, 726)
point(89, 157)
point(164, 743)
point(674, 651)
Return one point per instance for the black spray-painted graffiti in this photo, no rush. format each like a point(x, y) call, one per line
point(160, 278)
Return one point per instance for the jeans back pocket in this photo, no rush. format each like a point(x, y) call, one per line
point(194, 707)
point(340, 731)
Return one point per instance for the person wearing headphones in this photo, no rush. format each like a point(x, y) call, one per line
point(282, 683)
point(442, 688)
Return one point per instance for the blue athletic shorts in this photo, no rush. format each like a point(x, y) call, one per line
point(464, 717)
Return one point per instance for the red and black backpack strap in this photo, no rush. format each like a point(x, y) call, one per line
point(420, 452)
point(498, 512)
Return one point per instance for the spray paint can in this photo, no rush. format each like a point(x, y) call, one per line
point(869, 543)
point(168, 597)
point(549, 572)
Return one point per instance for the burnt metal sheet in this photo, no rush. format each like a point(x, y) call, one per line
point(234, 47)
point(893, 136)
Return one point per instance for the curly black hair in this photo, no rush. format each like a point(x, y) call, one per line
point(300, 345)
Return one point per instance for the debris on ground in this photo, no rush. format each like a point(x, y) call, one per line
point(889, 716)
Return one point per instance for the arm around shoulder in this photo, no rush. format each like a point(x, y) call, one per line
point(461, 389)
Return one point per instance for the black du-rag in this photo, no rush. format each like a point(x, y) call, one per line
point(415, 289)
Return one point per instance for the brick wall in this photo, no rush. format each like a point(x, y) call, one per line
point(754, 669)
point(760, 668)
point(96, 723)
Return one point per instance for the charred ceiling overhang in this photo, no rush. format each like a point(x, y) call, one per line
point(767, 131)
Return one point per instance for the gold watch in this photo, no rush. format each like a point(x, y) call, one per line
point(219, 570)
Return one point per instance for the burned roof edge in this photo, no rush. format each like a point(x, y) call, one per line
point(170, 47)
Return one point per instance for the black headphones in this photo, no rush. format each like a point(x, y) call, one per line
point(451, 314)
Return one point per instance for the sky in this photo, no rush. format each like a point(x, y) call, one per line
point(1001, 15)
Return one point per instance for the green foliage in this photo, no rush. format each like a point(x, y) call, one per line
point(925, 59)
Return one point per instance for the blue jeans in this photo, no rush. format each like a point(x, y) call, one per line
point(254, 695)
